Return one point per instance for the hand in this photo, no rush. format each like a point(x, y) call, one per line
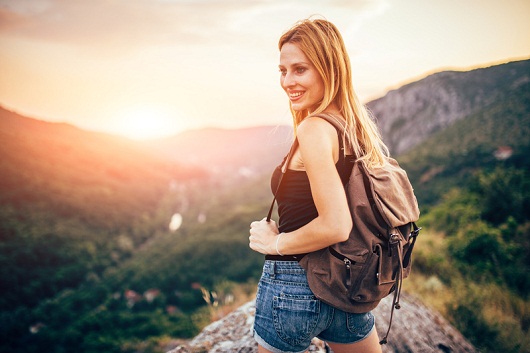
point(263, 236)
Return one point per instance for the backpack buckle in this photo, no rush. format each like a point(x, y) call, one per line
point(393, 242)
point(415, 232)
point(393, 238)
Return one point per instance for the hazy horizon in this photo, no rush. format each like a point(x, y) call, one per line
point(154, 68)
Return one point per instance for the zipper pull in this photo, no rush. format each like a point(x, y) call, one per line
point(347, 262)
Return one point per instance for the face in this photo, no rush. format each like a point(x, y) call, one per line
point(300, 79)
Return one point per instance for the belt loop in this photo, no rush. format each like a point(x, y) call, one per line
point(273, 269)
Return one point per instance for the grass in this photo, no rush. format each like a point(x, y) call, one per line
point(490, 315)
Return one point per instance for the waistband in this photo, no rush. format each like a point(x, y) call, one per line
point(287, 267)
point(296, 257)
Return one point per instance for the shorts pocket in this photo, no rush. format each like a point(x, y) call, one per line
point(360, 324)
point(295, 317)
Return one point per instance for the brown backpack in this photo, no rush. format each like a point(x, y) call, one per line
point(356, 274)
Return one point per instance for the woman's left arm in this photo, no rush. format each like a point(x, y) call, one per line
point(319, 151)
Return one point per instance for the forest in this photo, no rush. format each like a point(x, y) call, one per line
point(89, 264)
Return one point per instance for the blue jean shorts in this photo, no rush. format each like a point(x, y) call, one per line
point(289, 316)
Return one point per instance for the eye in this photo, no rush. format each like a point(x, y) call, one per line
point(300, 70)
point(283, 72)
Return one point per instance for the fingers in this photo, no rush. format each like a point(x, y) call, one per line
point(262, 224)
point(256, 238)
point(256, 245)
point(262, 234)
point(256, 223)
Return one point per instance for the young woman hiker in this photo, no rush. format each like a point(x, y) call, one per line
point(313, 212)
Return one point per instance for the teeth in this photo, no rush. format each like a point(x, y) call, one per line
point(294, 95)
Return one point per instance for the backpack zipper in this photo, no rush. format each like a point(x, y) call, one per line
point(347, 263)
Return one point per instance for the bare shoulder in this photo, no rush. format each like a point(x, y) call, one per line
point(313, 130)
point(318, 142)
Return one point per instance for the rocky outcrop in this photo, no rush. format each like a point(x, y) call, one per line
point(415, 329)
point(414, 112)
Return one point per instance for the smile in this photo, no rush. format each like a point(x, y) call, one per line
point(295, 95)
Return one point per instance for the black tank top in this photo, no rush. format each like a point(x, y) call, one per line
point(295, 202)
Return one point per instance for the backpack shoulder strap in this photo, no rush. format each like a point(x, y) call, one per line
point(341, 131)
point(286, 164)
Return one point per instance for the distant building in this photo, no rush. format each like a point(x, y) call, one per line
point(151, 294)
point(503, 152)
point(36, 327)
point(132, 297)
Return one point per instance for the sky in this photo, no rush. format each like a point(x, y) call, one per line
point(152, 68)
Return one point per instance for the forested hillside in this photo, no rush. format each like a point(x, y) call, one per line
point(89, 262)
point(87, 259)
point(473, 182)
point(72, 202)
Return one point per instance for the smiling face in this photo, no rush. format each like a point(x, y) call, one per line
point(300, 79)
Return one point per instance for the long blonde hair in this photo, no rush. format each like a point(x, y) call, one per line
point(322, 43)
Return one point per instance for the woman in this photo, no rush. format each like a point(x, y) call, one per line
point(312, 206)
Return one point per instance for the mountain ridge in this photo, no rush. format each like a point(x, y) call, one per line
point(257, 148)
point(408, 115)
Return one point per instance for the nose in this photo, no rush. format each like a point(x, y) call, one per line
point(288, 80)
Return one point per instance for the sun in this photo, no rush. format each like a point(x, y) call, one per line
point(146, 122)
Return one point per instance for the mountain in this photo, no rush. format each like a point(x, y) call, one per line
point(407, 116)
point(494, 135)
point(43, 162)
point(252, 150)
point(70, 201)
point(85, 242)
point(412, 113)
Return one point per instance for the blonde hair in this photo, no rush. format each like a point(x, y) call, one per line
point(323, 45)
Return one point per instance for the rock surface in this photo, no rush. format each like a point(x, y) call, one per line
point(415, 329)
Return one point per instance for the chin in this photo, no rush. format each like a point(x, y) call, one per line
point(298, 107)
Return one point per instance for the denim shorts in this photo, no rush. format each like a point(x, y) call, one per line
point(289, 316)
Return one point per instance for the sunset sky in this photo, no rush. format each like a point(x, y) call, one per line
point(148, 68)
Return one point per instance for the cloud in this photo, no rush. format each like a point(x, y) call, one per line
point(101, 22)
point(171, 52)
point(104, 24)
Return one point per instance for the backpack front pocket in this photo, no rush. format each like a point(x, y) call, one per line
point(375, 279)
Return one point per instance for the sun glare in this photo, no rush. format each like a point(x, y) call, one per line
point(143, 123)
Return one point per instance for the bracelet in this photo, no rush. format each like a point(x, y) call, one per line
point(277, 240)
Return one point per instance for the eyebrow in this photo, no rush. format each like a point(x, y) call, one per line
point(295, 64)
